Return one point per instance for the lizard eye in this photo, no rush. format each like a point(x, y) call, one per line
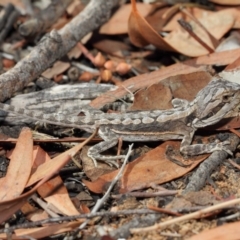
point(226, 98)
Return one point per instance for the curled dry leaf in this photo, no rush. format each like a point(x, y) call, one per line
point(142, 34)
point(217, 23)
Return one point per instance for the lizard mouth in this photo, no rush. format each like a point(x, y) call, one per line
point(221, 111)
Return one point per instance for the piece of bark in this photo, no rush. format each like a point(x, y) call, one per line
point(45, 19)
point(9, 18)
point(55, 45)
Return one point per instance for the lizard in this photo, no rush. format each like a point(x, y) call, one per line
point(219, 99)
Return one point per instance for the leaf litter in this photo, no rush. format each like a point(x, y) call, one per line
point(148, 53)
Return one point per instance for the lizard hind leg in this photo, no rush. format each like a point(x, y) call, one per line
point(197, 149)
point(94, 152)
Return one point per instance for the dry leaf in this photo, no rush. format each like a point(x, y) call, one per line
point(7, 208)
point(144, 80)
point(54, 191)
point(142, 34)
point(19, 169)
point(154, 166)
point(58, 68)
point(156, 96)
point(229, 231)
point(118, 23)
point(42, 232)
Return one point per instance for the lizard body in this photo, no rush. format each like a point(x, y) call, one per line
point(219, 99)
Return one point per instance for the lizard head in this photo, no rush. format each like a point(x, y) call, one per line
point(219, 99)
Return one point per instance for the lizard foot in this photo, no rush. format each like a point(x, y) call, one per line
point(110, 160)
point(170, 153)
point(223, 146)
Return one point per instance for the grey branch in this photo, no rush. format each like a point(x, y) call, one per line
point(54, 46)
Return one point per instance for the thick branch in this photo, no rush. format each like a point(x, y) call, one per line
point(53, 47)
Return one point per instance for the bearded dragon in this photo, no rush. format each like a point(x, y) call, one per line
point(219, 99)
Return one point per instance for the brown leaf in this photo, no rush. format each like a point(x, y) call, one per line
point(48, 167)
point(156, 96)
point(118, 23)
point(159, 96)
point(142, 34)
point(19, 168)
point(54, 191)
point(58, 68)
point(7, 208)
point(144, 80)
point(217, 23)
point(42, 232)
point(229, 231)
point(154, 166)
point(33, 214)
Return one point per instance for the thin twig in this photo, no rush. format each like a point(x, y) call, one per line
point(215, 42)
point(197, 214)
point(148, 194)
point(77, 217)
point(101, 201)
point(186, 26)
point(234, 164)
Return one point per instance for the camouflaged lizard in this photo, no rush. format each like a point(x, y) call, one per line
point(219, 99)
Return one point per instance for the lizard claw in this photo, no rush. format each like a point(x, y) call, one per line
point(223, 147)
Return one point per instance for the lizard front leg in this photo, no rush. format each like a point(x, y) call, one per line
point(94, 151)
point(110, 140)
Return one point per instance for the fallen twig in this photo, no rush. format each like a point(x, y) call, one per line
point(101, 201)
point(55, 45)
point(197, 214)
